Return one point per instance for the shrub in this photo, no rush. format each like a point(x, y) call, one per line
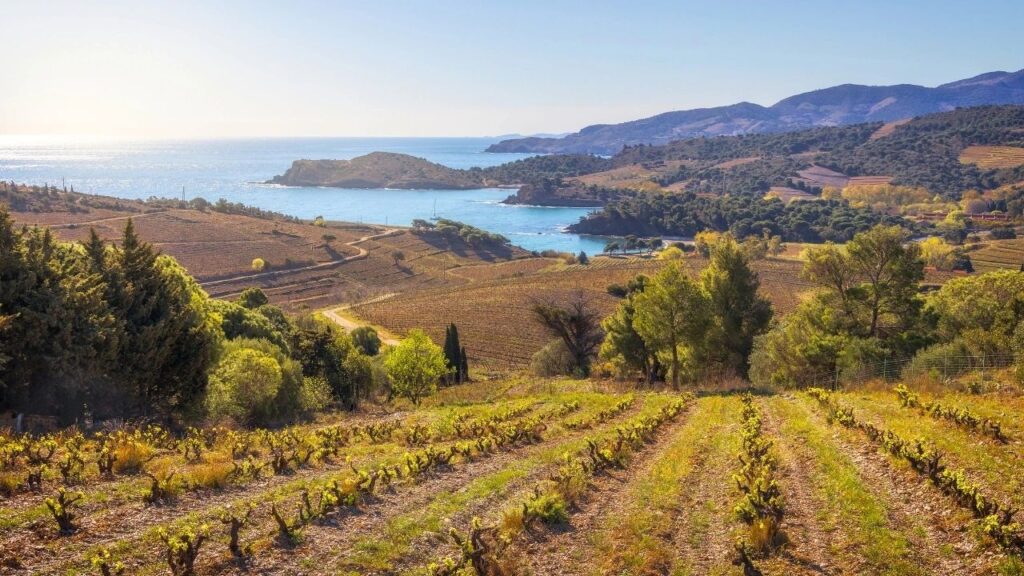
point(104, 562)
point(671, 253)
point(549, 508)
point(935, 360)
point(554, 359)
point(259, 264)
point(1004, 233)
point(252, 298)
point(366, 340)
point(244, 386)
point(315, 395)
point(235, 521)
point(617, 290)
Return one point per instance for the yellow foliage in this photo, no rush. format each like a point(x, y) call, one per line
point(705, 240)
point(937, 253)
point(259, 264)
point(831, 193)
point(880, 196)
point(130, 456)
point(671, 253)
point(10, 482)
point(212, 474)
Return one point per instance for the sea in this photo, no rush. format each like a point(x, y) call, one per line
point(236, 169)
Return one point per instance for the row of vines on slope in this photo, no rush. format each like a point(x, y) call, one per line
point(761, 506)
point(997, 519)
point(317, 500)
point(962, 417)
point(486, 549)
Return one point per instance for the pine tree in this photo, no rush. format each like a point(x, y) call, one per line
point(96, 250)
point(168, 336)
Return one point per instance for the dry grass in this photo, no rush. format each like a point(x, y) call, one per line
point(130, 457)
point(887, 129)
point(213, 474)
point(788, 195)
point(869, 180)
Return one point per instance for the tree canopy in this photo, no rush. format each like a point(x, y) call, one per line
point(415, 366)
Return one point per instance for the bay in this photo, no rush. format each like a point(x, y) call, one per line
point(235, 169)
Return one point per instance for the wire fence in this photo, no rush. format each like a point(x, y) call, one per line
point(939, 368)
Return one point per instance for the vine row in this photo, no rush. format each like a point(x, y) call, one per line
point(997, 519)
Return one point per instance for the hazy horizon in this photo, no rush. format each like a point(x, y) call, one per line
point(458, 69)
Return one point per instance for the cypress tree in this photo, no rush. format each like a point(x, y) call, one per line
point(453, 351)
point(464, 368)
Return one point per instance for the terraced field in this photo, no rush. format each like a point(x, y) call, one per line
point(998, 254)
point(993, 157)
point(490, 312)
point(543, 477)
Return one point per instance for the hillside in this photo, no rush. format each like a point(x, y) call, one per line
point(486, 309)
point(377, 170)
point(835, 106)
point(307, 266)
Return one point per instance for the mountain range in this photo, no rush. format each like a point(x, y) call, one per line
point(835, 106)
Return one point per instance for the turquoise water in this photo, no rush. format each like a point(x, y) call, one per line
point(235, 170)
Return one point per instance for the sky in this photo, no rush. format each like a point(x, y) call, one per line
point(200, 69)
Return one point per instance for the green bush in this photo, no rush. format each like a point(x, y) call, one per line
point(244, 386)
point(315, 395)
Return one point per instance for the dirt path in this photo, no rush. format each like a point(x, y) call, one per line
point(361, 255)
point(808, 549)
point(702, 532)
point(328, 545)
point(933, 524)
point(110, 219)
point(568, 550)
point(349, 324)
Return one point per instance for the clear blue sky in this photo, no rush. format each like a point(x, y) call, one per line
point(199, 69)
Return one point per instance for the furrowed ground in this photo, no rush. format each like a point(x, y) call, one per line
point(488, 311)
point(653, 492)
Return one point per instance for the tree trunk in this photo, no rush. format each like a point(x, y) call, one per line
point(874, 316)
point(675, 367)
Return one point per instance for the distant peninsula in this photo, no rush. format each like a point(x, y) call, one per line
point(537, 181)
point(378, 170)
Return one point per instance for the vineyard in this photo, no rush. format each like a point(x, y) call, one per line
point(998, 254)
point(307, 266)
point(539, 477)
point(993, 157)
point(492, 313)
